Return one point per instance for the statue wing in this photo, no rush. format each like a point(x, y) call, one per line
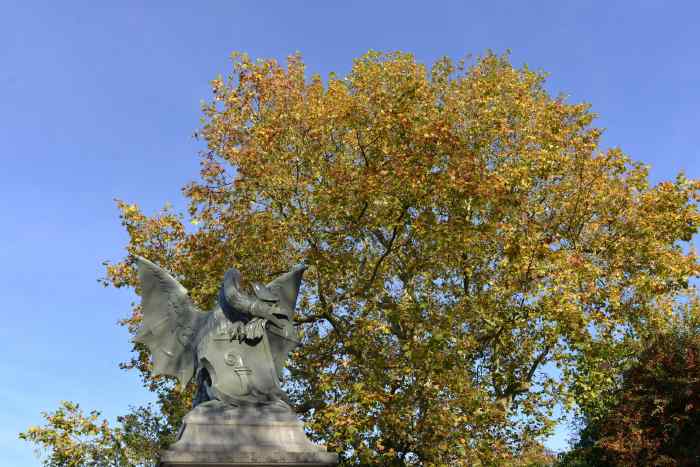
point(170, 322)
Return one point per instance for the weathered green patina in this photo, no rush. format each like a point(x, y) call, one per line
point(237, 352)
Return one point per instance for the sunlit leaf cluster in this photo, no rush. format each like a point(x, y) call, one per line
point(72, 438)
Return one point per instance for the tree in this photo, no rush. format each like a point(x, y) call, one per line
point(474, 259)
point(74, 439)
point(654, 418)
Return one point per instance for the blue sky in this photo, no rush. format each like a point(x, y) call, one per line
point(99, 102)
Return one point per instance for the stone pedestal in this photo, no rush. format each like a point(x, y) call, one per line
point(216, 434)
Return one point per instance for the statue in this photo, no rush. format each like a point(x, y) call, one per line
point(237, 353)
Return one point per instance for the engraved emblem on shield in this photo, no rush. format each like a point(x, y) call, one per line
point(234, 360)
point(225, 361)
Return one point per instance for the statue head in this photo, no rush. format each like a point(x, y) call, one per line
point(281, 292)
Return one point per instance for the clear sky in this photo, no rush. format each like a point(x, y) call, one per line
point(99, 102)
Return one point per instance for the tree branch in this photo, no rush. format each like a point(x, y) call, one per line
point(387, 250)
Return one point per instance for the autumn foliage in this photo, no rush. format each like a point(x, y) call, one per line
point(657, 422)
point(654, 418)
point(475, 259)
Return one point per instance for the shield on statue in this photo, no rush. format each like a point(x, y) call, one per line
point(245, 361)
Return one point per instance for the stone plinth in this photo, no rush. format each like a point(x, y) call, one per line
point(216, 434)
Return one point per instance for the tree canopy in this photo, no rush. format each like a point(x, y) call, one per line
point(475, 259)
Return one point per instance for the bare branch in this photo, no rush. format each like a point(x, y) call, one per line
point(387, 250)
point(538, 361)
